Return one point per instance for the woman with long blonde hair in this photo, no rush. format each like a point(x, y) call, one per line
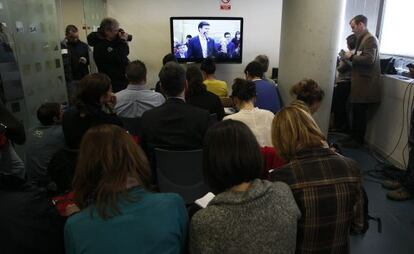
point(327, 186)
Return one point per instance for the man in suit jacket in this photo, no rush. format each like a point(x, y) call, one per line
point(365, 79)
point(175, 124)
point(202, 46)
point(181, 51)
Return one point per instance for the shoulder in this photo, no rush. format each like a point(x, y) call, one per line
point(207, 218)
point(166, 200)
point(265, 113)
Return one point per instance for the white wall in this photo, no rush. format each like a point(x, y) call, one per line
point(148, 21)
point(386, 122)
point(70, 12)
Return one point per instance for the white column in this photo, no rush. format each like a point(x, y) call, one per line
point(308, 48)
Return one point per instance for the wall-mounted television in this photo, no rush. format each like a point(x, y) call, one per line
point(196, 38)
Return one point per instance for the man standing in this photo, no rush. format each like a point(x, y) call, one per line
point(365, 78)
point(75, 55)
point(201, 46)
point(111, 52)
point(136, 98)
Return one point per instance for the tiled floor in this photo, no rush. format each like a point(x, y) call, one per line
point(397, 217)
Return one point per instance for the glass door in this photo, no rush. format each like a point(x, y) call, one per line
point(31, 66)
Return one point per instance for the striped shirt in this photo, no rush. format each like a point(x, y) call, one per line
point(328, 190)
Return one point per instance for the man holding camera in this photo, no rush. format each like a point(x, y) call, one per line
point(111, 52)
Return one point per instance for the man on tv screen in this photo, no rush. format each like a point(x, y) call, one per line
point(181, 51)
point(201, 46)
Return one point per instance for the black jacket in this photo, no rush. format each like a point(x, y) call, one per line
point(15, 130)
point(111, 58)
point(75, 126)
point(174, 125)
point(74, 70)
point(29, 222)
point(209, 101)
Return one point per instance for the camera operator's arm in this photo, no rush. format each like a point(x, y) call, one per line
point(15, 130)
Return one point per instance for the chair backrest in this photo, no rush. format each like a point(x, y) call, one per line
point(132, 125)
point(181, 172)
point(213, 119)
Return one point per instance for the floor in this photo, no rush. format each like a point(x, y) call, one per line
point(397, 217)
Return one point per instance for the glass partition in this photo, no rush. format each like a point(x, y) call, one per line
point(31, 66)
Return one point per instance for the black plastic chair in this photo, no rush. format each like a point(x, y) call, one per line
point(181, 172)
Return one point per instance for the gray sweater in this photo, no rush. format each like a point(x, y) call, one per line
point(261, 220)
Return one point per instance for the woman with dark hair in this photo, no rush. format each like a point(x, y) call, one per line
point(309, 95)
point(118, 212)
point(197, 94)
point(258, 120)
point(248, 215)
point(94, 105)
point(218, 87)
point(236, 41)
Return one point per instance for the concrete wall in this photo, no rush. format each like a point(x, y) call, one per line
point(148, 22)
point(309, 42)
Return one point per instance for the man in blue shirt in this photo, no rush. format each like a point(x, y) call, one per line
point(267, 95)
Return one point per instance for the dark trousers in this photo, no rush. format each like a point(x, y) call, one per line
point(408, 182)
point(359, 121)
point(339, 100)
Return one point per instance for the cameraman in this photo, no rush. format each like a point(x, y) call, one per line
point(110, 52)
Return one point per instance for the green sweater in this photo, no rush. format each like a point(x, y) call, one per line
point(153, 223)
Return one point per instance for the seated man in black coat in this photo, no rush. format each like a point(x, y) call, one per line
point(175, 124)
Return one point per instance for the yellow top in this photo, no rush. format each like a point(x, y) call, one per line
point(217, 87)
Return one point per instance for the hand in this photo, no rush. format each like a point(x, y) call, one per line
point(83, 60)
point(348, 54)
point(71, 209)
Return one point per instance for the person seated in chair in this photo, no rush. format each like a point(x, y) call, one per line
point(197, 94)
point(258, 120)
point(43, 142)
point(133, 101)
point(327, 186)
point(174, 124)
point(118, 211)
point(267, 94)
point(248, 215)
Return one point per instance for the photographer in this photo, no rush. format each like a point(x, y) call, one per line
point(110, 51)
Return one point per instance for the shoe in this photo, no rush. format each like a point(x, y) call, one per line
point(399, 195)
point(351, 145)
point(391, 184)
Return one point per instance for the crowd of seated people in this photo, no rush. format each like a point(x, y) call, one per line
point(308, 203)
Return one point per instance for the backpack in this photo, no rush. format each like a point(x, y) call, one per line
point(368, 217)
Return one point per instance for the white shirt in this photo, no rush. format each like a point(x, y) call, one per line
point(203, 42)
point(135, 100)
point(259, 121)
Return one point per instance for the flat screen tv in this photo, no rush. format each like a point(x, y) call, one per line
point(196, 38)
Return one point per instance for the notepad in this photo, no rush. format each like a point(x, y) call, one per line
point(203, 202)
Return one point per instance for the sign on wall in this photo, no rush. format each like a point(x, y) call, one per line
point(225, 5)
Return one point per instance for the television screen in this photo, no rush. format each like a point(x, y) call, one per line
point(196, 38)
